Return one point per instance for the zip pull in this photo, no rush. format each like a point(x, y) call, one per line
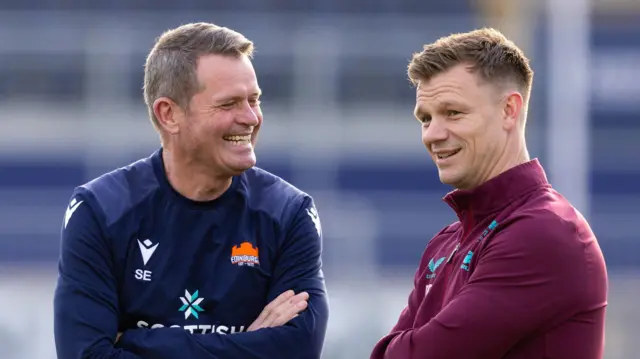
point(453, 252)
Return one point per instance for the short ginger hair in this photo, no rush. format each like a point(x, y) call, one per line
point(487, 52)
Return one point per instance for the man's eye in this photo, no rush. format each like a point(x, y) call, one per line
point(453, 113)
point(227, 105)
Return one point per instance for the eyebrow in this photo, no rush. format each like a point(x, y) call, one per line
point(257, 93)
point(444, 104)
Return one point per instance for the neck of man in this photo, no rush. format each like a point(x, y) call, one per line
point(512, 156)
point(191, 179)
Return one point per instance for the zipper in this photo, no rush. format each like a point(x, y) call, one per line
point(453, 253)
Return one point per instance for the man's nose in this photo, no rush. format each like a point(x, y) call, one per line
point(434, 132)
point(249, 115)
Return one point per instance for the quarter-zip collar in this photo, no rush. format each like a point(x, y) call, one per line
point(475, 205)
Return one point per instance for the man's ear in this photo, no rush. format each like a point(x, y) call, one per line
point(168, 114)
point(512, 110)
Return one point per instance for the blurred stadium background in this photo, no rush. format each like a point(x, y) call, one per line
point(338, 124)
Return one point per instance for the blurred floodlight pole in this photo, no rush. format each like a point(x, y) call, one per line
point(568, 134)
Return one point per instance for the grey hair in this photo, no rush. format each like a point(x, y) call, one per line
point(170, 69)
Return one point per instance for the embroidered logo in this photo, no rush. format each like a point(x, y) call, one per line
point(433, 266)
point(245, 254)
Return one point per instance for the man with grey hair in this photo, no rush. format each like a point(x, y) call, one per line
point(193, 252)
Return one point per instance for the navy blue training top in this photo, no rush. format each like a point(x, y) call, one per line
point(185, 279)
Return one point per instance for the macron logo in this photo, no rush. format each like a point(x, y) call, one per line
point(313, 214)
point(72, 208)
point(146, 249)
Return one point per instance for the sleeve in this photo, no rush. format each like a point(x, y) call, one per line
point(518, 286)
point(85, 301)
point(299, 268)
point(408, 314)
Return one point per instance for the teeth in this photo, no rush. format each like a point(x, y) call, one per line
point(238, 139)
point(447, 155)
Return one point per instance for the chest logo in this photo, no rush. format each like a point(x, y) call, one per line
point(433, 265)
point(191, 304)
point(245, 254)
point(146, 249)
point(466, 261)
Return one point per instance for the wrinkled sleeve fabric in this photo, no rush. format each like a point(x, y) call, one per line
point(85, 301)
point(299, 267)
point(522, 280)
point(408, 314)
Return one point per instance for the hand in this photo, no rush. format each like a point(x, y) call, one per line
point(281, 310)
point(118, 337)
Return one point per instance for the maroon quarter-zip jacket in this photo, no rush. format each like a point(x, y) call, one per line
point(519, 276)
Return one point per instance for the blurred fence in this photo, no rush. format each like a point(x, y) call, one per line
point(338, 124)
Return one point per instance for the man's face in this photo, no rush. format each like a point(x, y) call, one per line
point(221, 126)
point(462, 126)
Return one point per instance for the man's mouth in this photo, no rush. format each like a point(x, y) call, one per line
point(238, 139)
point(444, 155)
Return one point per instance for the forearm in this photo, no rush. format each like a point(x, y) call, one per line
point(302, 338)
point(79, 336)
point(432, 341)
point(71, 350)
point(171, 343)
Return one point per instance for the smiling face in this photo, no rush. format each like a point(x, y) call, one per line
point(472, 95)
point(220, 127)
point(466, 126)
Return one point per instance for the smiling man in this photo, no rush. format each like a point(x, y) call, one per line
point(193, 252)
point(520, 275)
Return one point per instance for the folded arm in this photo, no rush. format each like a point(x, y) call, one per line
point(518, 286)
point(299, 268)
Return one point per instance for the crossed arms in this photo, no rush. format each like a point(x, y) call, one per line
point(86, 304)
